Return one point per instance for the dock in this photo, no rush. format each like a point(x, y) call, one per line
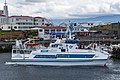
point(116, 51)
point(7, 46)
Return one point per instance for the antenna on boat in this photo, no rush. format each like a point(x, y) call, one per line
point(70, 29)
point(5, 3)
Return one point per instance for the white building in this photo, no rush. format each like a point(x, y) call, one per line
point(2, 19)
point(19, 22)
point(25, 22)
point(4, 15)
point(8, 27)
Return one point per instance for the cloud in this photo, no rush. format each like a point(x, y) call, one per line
point(63, 8)
point(1, 6)
point(105, 8)
point(115, 6)
point(34, 1)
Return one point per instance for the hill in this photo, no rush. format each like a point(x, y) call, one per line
point(98, 19)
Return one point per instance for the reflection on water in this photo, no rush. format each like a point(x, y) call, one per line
point(9, 72)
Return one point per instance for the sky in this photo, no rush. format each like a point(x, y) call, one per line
point(62, 8)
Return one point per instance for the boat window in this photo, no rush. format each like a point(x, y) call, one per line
point(60, 44)
point(56, 45)
point(44, 50)
point(63, 56)
point(45, 56)
point(74, 56)
point(63, 50)
point(14, 51)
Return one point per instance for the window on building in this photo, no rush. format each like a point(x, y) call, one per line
point(58, 36)
point(42, 20)
point(40, 30)
point(64, 30)
point(1, 20)
point(17, 23)
point(58, 30)
point(53, 30)
point(46, 31)
point(23, 23)
point(36, 19)
point(17, 19)
point(15, 27)
point(82, 29)
point(30, 23)
point(116, 26)
point(42, 23)
point(8, 27)
point(12, 20)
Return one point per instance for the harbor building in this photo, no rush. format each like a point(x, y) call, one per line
point(116, 29)
point(2, 19)
point(48, 32)
point(83, 29)
point(24, 23)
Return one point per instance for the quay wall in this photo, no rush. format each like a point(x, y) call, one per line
point(115, 52)
point(7, 46)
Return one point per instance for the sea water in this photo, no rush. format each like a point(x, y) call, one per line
point(15, 72)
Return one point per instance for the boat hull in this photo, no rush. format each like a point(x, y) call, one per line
point(60, 63)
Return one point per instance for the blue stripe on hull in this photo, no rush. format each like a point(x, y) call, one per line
point(66, 56)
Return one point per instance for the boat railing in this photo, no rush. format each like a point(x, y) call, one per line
point(25, 48)
point(16, 47)
point(21, 51)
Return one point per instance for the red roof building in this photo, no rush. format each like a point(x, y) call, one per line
point(24, 17)
point(20, 17)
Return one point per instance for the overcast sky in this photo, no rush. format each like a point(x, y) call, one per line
point(62, 8)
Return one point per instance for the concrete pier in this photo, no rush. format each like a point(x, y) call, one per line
point(7, 46)
point(116, 52)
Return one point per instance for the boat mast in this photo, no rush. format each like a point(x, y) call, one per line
point(70, 29)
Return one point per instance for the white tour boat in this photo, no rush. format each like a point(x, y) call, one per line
point(60, 53)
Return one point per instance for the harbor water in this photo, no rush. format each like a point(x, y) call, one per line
point(15, 72)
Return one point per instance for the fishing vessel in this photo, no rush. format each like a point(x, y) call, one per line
point(63, 52)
